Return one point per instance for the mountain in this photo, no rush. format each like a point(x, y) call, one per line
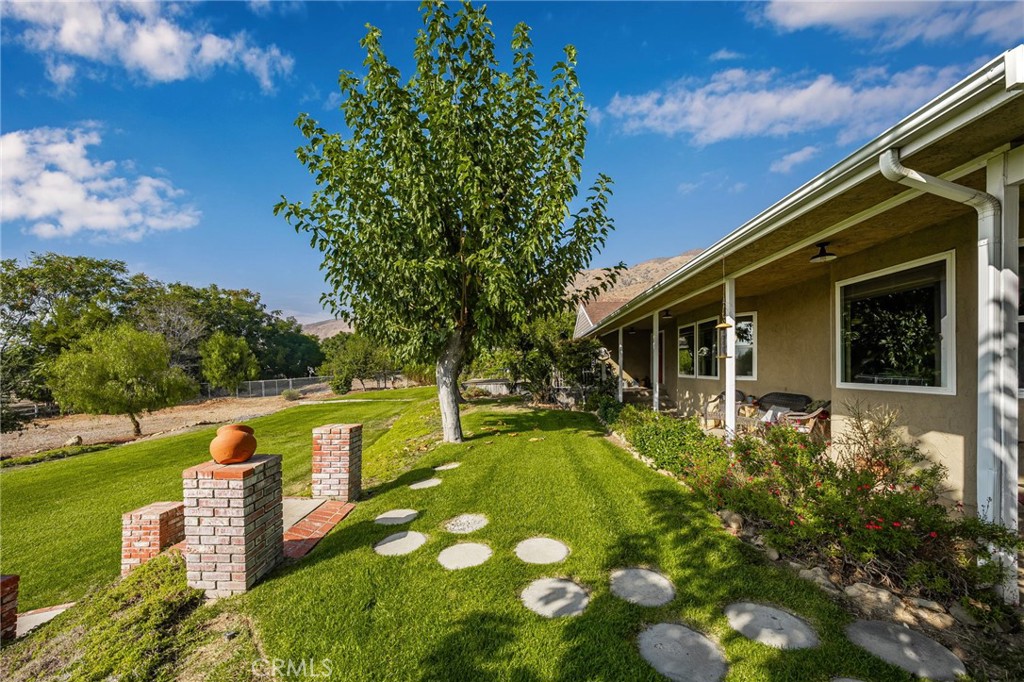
point(326, 328)
point(638, 278)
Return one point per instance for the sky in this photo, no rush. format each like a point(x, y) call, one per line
point(161, 134)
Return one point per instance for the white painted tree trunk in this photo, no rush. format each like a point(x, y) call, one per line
point(449, 366)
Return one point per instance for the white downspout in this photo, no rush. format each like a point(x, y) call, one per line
point(618, 389)
point(655, 352)
point(997, 377)
point(730, 358)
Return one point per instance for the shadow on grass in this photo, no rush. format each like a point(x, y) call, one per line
point(466, 653)
point(570, 423)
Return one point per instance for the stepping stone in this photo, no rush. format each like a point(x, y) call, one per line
point(642, 586)
point(448, 467)
point(396, 517)
point(681, 654)
point(905, 648)
point(541, 551)
point(464, 555)
point(555, 597)
point(770, 626)
point(400, 543)
point(429, 483)
point(465, 523)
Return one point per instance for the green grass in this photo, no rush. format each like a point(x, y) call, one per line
point(58, 453)
point(406, 618)
point(61, 520)
point(416, 393)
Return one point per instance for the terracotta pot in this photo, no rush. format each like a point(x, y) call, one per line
point(234, 444)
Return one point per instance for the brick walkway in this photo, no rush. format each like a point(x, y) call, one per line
point(301, 538)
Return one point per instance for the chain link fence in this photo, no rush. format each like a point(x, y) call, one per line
point(263, 388)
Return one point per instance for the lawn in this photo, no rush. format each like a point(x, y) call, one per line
point(61, 519)
point(534, 473)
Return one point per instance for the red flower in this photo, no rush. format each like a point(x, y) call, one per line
point(933, 534)
point(792, 523)
point(897, 524)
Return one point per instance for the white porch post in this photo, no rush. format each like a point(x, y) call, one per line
point(654, 361)
point(730, 358)
point(998, 384)
point(618, 390)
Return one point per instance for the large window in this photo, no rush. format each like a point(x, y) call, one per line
point(896, 328)
point(746, 346)
point(687, 367)
point(707, 349)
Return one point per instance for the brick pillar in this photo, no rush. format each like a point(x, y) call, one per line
point(234, 529)
point(147, 531)
point(338, 461)
point(8, 607)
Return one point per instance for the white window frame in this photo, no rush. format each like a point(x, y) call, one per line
point(693, 348)
point(752, 377)
point(1020, 319)
point(696, 343)
point(947, 328)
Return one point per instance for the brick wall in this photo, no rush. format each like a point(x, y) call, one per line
point(146, 531)
point(8, 607)
point(338, 461)
point(234, 529)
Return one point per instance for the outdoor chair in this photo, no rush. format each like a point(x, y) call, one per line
point(814, 421)
point(714, 409)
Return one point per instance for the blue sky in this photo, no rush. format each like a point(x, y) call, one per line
point(161, 134)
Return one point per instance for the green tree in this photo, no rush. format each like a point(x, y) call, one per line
point(227, 361)
point(444, 218)
point(352, 357)
point(118, 370)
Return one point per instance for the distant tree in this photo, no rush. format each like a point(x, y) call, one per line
point(352, 356)
point(227, 361)
point(444, 218)
point(118, 370)
point(170, 317)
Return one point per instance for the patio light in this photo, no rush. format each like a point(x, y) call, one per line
point(823, 255)
point(631, 330)
point(665, 315)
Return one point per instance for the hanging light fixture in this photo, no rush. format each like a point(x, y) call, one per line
point(724, 325)
point(665, 315)
point(823, 255)
point(631, 330)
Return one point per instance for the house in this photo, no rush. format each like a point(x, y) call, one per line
point(891, 278)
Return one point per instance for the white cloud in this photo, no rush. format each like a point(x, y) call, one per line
point(144, 38)
point(52, 184)
point(738, 103)
point(893, 24)
point(725, 55)
point(688, 187)
point(793, 159)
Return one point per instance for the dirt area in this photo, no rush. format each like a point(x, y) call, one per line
point(53, 432)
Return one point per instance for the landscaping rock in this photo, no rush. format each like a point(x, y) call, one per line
point(819, 577)
point(555, 597)
point(771, 553)
point(642, 586)
point(396, 517)
point(429, 483)
point(541, 551)
point(681, 654)
point(872, 601)
point(464, 555)
point(731, 519)
point(465, 523)
point(449, 466)
point(962, 615)
point(915, 616)
point(795, 566)
point(901, 646)
point(770, 626)
point(70, 442)
point(926, 604)
point(400, 543)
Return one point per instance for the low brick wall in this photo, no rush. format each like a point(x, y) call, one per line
point(338, 461)
point(8, 607)
point(147, 531)
point(234, 528)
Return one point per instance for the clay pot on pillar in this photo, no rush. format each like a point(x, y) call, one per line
point(234, 444)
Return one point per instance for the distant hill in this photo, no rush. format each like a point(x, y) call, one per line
point(638, 278)
point(325, 329)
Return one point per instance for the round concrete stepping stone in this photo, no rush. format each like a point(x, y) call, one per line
point(681, 654)
point(905, 648)
point(429, 483)
point(555, 597)
point(400, 543)
point(465, 523)
point(541, 551)
point(464, 555)
point(770, 626)
point(642, 586)
point(448, 467)
point(396, 517)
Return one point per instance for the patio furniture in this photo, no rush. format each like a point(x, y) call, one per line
point(815, 421)
point(795, 402)
point(714, 409)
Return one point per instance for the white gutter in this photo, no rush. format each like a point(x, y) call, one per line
point(987, 88)
point(997, 328)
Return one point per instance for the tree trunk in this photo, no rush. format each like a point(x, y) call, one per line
point(449, 366)
point(135, 424)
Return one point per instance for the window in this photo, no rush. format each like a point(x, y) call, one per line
point(686, 364)
point(746, 346)
point(707, 349)
point(896, 328)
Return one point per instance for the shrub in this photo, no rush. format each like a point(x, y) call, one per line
point(341, 383)
point(291, 394)
point(605, 406)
